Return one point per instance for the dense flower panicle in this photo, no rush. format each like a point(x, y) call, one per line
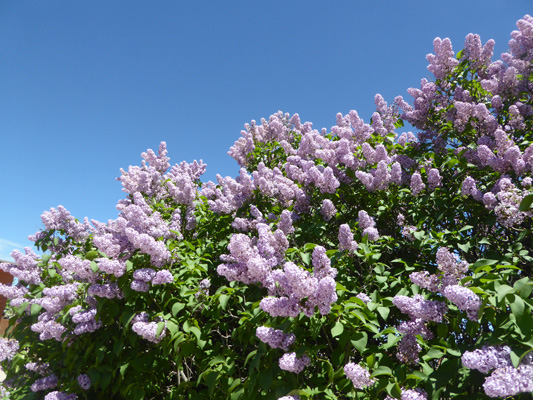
point(487, 358)
point(289, 362)
point(25, 267)
point(8, 349)
point(139, 286)
point(285, 222)
point(144, 274)
point(417, 185)
point(79, 267)
point(107, 290)
point(60, 396)
point(275, 338)
point(418, 307)
point(148, 330)
point(289, 398)
point(408, 350)
point(346, 242)
point(508, 381)
point(61, 220)
point(48, 328)
point(425, 280)
point(162, 277)
point(359, 376)
point(415, 327)
point(363, 297)
point(465, 299)
point(84, 381)
point(328, 210)
point(48, 382)
point(113, 267)
point(414, 394)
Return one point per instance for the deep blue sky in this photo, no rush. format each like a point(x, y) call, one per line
point(86, 86)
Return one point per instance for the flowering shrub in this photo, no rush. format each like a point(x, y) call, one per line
point(356, 263)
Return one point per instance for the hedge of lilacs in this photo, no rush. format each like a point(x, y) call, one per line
point(356, 263)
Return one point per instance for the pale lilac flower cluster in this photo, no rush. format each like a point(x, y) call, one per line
point(290, 362)
point(25, 267)
point(508, 381)
point(48, 328)
point(8, 349)
point(275, 338)
point(48, 382)
point(61, 220)
point(414, 394)
point(346, 242)
point(60, 396)
point(417, 307)
point(363, 297)
point(148, 330)
point(328, 210)
point(107, 290)
point(41, 369)
point(289, 398)
point(465, 300)
point(487, 358)
point(84, 381)
point(85, 321)
point(359, 376)
point(79, 267)
point(113, 267)
point(367, 224)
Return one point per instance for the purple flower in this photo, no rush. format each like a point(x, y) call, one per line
point(84, 381)
point(487, 358)
point(289, 362)
point(275, 338)
point(60, 396)
point(508, 381)
point(465, 300)
point(359, 376)
point(162, 277)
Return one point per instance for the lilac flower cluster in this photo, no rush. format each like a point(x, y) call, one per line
point(487, 358)
point(275, 338)
point(290, 362)
point(8, 349)
point(465, 299)
point(508, 381)
point(48, 382)
point(346, 242)
point(84, 381)
point(417, 307)
point(359, 376)
point(147, 330)
point(60, 396)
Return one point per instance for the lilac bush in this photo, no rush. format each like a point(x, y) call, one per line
point(365, 261)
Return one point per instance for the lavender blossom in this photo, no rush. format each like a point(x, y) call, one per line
point(359, 376)
point(289, 362)
point(84, 381)
point(508, 381)
point(465, 299)
point(275, 338)
point(60, 396)
point(487, 358)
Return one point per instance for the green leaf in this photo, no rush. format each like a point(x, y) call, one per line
point(360, 341)
point(223, 300)
point(382, 370)
point(483, 261)
point(176, 308)
point(526, 202)
point(337, 329)
point(123, 369)
point(384, 312)
point(503, 291)
point(518, 307)
point(160, 327)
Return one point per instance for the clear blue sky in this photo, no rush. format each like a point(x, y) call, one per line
point(86, 86)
